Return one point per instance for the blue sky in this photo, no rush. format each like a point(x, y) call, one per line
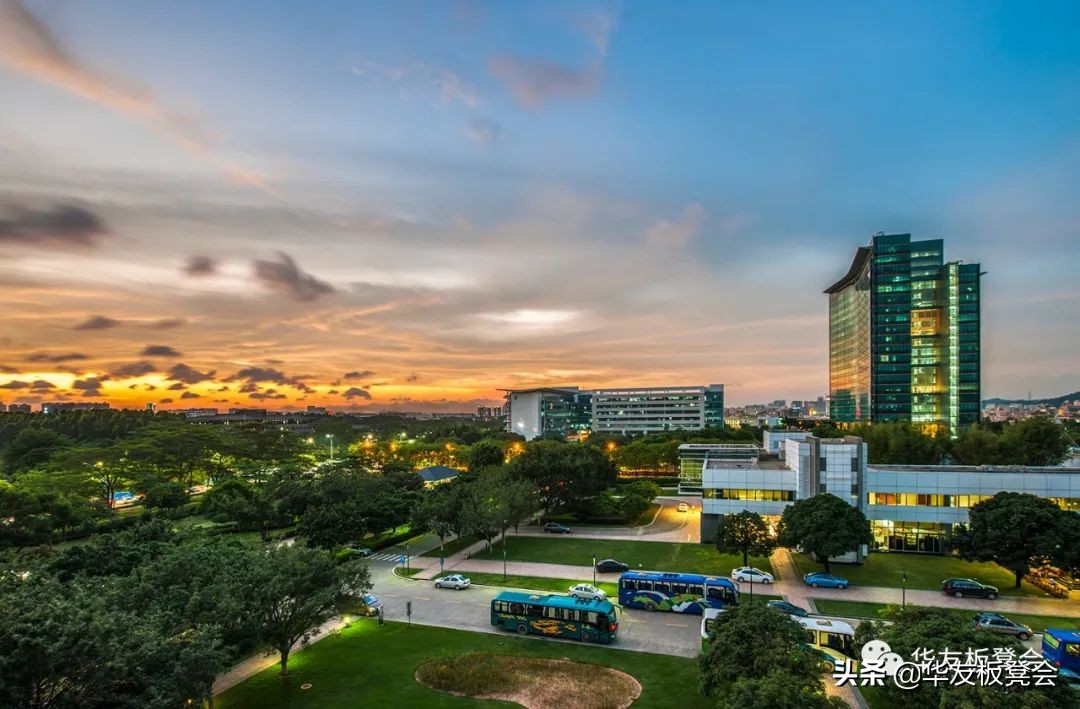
point(500, 194)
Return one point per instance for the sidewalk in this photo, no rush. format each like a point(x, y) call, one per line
point(795, 591)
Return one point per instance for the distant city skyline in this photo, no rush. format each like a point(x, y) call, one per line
point(412, 206)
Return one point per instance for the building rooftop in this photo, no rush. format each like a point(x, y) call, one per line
point(437, 473)
point(861, 255)
point(975, 469)
point(760, 464)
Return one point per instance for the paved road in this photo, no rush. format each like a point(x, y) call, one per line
point(669, 525)
point(665, 633)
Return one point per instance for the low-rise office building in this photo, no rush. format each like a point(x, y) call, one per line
point(570, 411)
point(653, 409)
point(910, 507)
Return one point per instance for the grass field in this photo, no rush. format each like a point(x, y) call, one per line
point(452, 547)
point(862, 609)
point(537, 583)
point(368, 666)
point(923, 571)
point(654, 556)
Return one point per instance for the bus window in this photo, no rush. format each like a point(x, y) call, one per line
point(1072, 649)
point(678, 588)
point(593, 618)
point(534, 610)
point(643, 585)
point(502, 607)
point(717, 593)
point(660, 587)
point(629, 584)
point(696, 590)
point(517, 609)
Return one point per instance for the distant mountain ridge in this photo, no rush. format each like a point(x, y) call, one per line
point(1056, 401)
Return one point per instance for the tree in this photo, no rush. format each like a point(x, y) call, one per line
point(483, 509)
point(825, 526)
point(295, 590)
point(439, 511)
point(1035, 441)
point(744, 533)
point(31, 447)
point(977, 446)
point(776, 690)
point(779, 649)
point(485, 454)
point(1012, 528)
point(562, 472)
point(917, 627)
point(165, 495)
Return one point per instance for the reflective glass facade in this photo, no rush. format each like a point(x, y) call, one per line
point(904, 336)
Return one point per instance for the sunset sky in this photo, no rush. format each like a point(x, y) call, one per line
point(407, 205)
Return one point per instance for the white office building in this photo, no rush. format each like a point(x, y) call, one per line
point(653, 409)
point(911, 507)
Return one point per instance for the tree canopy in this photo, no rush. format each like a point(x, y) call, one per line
point(744, 533)
point(1013, 529)
point(825, 526)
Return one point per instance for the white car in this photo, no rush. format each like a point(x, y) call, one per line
point(587, 591)
point(751, 575)
point(454, 581)
point(683, 507)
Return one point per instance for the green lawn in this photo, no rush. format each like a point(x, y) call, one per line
point(368, 666)
point(653, 556)
point(862, 609)
point(453, 546)
point(538, 583)
point(923, 571)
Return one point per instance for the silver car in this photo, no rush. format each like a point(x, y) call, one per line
point(1000, 624)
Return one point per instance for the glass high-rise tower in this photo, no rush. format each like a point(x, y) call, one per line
point(904, 336)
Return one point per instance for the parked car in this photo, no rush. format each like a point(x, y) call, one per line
point(751, 575)
point(360, 551)
point(961, 588)
point(454, 581)
point(371, 604)
point(820, 579)
point(789, 608)
point(683, 507)
point(587, 591)
point(611, 565)
point(1000, 624)
point(556, 528)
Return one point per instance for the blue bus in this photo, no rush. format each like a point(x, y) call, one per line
point(555, 616)
point(1061, 648)
point(681, 593)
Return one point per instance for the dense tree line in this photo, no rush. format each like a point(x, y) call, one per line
point(148, 617)
point(1033, 441)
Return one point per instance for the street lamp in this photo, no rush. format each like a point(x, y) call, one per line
point(331, 437)
point(506, 525)
point(903, 589)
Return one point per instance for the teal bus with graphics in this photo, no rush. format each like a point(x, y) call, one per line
point(680, 593)
point(555, 616)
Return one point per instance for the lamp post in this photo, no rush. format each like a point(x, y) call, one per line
point(594, 570)
point(331, 437)
point(406, 558)
point(903, 589)
point(506, 525)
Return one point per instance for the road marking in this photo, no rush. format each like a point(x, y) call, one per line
point(422, 598)
point(676, 625)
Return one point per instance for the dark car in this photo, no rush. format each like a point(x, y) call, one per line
point(961, 588)
point(789, 608)
point(556, 528)
point(609, 565)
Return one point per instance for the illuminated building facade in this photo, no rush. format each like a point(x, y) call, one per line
point(904, 336)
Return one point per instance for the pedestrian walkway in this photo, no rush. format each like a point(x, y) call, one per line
point(386, 556)
point(791, 586)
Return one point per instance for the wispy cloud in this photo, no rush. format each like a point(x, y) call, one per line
point(29, 47)
point(534, 82)
point(424, 79)
point(680, 232)
point(484, 130)
point(200, 265)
